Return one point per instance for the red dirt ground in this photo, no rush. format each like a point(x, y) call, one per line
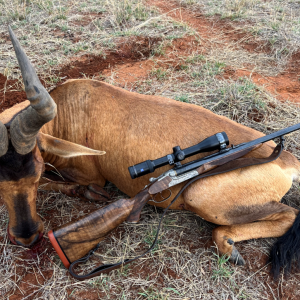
point(285, 85)
point(10, 93)
point(128, 53)
point(130, 63)
point(129, 56)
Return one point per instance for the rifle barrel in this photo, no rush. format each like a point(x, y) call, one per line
point(193, 165)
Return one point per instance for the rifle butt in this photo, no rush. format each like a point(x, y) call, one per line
point(75, 239)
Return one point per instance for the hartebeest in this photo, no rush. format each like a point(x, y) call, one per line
point(132, 128)
point(21, 144)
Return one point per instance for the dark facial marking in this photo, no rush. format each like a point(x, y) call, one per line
point(25, 227)
point(14, 166)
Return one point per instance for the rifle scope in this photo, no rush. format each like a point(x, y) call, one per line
point(217, 141)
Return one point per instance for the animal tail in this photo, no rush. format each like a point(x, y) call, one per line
point(286, 250)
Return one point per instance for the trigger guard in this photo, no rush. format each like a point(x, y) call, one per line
point(163, 199)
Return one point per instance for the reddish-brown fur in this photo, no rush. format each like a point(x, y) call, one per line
point(25, 186)
point(132, 128)
point(20, 175)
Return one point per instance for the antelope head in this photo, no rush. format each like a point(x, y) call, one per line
point(21, 163)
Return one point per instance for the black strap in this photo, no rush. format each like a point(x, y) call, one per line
point(230, 166)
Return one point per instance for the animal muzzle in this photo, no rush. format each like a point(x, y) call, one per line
point(25, 242)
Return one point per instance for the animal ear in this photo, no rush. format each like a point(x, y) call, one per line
point(62, 148)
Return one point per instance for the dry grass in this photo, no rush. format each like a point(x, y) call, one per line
point(180, 267)
point(262, 63)
point(273, 24)
point(55, 32)
point(276, 21)
point(198, 79)
point(183, 266)
point(200, 82)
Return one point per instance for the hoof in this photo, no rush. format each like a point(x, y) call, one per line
point(94, 196)
point(236, 257)
point(98, 190)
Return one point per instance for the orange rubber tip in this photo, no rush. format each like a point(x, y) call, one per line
point(58, 249)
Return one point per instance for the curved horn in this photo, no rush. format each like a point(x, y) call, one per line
point(42, 109)
point(3, 139)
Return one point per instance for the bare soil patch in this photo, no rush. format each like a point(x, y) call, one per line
point(10, 93)
point(129, 56)
point(286, 84)
point(212, 27)
point(185, 261)
point(127, 53)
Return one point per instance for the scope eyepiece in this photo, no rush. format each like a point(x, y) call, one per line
point(217, 141)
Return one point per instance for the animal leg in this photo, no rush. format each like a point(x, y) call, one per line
point(274, 225)
point(92, 192)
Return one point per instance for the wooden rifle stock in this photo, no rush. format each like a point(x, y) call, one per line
point(75, 239)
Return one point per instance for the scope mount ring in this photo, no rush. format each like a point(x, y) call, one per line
point(170, 159)
point(221, 140)
point(282, 140)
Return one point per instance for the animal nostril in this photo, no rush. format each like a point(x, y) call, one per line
point(35, 239)
point(19, 243)
point(28, 245)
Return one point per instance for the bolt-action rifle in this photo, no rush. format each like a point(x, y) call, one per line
point(76, 239)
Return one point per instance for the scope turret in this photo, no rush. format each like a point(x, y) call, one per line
point(217, 141)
